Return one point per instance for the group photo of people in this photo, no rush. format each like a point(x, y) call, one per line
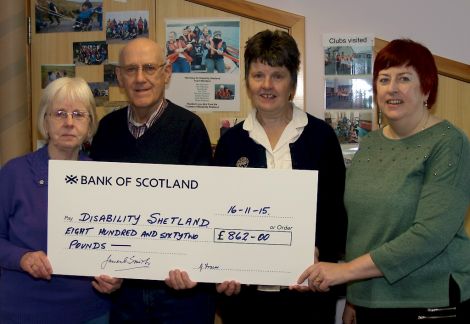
point(205, 46)
point(122, 26)
point(90, 53)
point(348, 60)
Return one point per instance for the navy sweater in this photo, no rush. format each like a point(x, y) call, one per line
point(316, 149)
point(177, 137)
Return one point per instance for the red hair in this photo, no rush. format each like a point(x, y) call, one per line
point(405, 52)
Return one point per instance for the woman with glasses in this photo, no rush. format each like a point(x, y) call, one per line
point(29, 292)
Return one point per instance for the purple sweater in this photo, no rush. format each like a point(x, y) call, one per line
point(23, 228)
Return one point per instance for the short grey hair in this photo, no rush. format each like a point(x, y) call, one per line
point(75, 89)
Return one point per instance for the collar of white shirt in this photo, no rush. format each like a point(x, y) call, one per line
point(279, 157)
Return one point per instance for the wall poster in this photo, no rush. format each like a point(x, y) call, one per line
point(348, 88)
point(204, 54)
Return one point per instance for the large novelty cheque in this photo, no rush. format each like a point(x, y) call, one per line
point(129, 220)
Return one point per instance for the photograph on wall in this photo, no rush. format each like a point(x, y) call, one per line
point(204, 54)
point(100, 92)
point(51, 72)
point(224, 91)
point(348, 54)
point(349, 125)
point(90, 53)
point(347, 93)
point(205, 46)
point(227, 123)
point(110, 74)
point(63, 16)
point(123, 26)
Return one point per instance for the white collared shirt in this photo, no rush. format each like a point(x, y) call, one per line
point(279, 157)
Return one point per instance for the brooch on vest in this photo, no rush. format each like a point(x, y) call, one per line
point(242, 162)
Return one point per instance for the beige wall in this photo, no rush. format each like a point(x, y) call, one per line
point(15, 126)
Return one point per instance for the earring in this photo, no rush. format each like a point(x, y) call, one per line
point(379, 119)
point(426, 103)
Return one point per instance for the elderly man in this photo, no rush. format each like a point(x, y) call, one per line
point(152, 129)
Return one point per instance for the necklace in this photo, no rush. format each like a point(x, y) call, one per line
point(392, 134)
point(426, 121)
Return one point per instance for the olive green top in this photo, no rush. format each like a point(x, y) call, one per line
point(406, 201)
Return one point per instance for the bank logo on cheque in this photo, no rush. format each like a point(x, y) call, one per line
point(71, 179)
point(89, 180)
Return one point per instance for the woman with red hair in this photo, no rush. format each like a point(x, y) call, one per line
point(407, 193)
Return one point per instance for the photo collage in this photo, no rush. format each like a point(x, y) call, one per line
point(65, 16)
point(349, 103)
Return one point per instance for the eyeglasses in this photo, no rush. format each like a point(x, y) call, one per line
point(63, 115)
point(148, 69)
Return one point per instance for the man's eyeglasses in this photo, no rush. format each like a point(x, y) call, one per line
point(148, 69)
point(63, 115)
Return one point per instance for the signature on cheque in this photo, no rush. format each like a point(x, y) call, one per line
point(207, 266)
point(127, 262)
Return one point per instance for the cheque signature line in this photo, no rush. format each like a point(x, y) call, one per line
point(146, 252)
point(259, 270)
point(206, 266)
point(126, 269)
